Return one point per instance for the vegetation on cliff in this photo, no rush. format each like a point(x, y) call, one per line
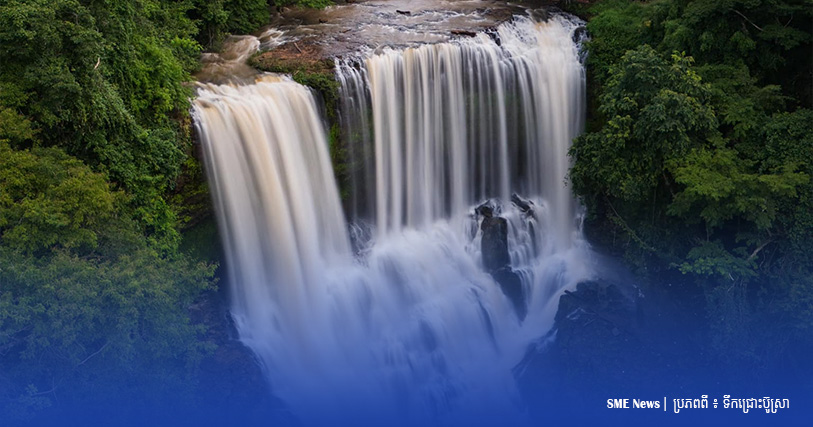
point(697, 160)
point(95, 140)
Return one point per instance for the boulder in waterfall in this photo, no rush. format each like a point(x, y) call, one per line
point(494, 34)
point(609, 338)
point(494, 243)
point(230, 381)
point(497, 260)
point(489, 208)
point(465, 33)
point(511, 286)
point(524, 205)
point(527, 207)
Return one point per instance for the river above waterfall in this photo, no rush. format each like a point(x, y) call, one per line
point(342, 29)
point(361, 26)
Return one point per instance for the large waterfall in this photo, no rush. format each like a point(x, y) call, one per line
point(455, 123)
point(403, 326)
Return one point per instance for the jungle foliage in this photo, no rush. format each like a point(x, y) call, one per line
point(94, 137)
point(698, 158)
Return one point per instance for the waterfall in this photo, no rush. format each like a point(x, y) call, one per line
point(410, 329)
point(455, 123)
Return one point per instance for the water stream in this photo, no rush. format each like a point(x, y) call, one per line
point(388, 317)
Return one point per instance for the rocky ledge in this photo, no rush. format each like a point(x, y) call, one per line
point(611, 339)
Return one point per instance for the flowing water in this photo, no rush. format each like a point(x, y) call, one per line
point(400, 324)
point(454, 123)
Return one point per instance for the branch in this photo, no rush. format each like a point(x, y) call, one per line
point(630, 232)
point(668, 184)
point(92, 355)
point(748, 20)
point(759, 248)
point(52, 390)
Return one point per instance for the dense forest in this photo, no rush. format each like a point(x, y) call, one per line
point(696, 167)
point(96, 178)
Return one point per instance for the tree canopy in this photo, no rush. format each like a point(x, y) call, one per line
point(699, 152)
point(94, 135)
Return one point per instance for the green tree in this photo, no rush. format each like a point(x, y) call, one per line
point(701, 163)
point(661, 148)
point(100, 87)
point(94, 130)
point(772, 38)
point(83, 292)
point(616, 27)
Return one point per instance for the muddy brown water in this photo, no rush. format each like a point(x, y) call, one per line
point(356, 28)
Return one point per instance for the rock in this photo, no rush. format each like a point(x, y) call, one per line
point(601, 345)
point(487, 209)
point(579, 35)
point(231, 381)
point(403, 12)
point(600, 301)
point(463, 33)
point(497, 260)
point(540, 15)
point(527, 207)
point(511, 286)
point(524, 205)
point(494, 243)
point(494, 35)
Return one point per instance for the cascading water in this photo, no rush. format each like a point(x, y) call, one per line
point(455, 123)
point(411, 330)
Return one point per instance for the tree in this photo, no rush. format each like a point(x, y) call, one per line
point(701, 164)
point(83, 292)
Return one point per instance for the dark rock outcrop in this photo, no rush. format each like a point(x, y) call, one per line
point(524, 205)
point(465, 33)
point(587, 354)
point(527, 207)
point(610, 340)
point(230, 381)
point(497, 260)
point(494, 243)
point(511, 286)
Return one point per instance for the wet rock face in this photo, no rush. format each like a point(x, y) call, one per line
point(598, 301)
point(230, 381)
point(497, 260)
point(511, 286)
point(610, 340)
point(597, 322)
point(594, 347)
point(524, 205)
point(494, 244)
